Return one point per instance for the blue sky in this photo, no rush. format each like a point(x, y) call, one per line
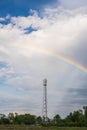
point(18, 7)
point(31, 32)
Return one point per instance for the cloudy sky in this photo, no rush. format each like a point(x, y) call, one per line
point(43, 39)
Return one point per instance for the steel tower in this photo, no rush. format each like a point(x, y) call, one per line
point(44, 109)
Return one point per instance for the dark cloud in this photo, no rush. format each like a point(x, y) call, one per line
point(77, 95)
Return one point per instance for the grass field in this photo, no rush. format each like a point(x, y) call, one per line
point(2, 127)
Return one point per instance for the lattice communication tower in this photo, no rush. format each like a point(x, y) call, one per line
point(44, 109)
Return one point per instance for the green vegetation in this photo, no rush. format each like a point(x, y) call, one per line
point(23, 127)
point(74, 119)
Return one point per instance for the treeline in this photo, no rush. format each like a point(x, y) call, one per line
point(76, 118)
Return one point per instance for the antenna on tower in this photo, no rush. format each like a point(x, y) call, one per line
point(44, 109)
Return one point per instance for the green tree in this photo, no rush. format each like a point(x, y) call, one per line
point(39, 120)
point(75, 119)
point(25, 119)
point(11, 117)
point(85, 115)
point(57, 120)
point(29, 119)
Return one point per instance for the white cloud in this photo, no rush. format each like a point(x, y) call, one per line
point(73, 4)
point(2, 19)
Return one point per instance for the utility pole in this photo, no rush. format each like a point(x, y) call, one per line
point(44, 109)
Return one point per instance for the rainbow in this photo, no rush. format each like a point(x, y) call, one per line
point(58, 56)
